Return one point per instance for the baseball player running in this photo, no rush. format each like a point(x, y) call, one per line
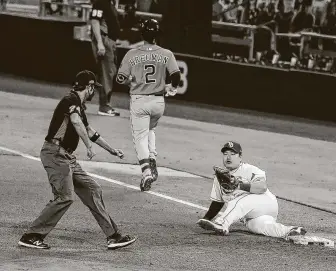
point(144, 70)
point(250, 201)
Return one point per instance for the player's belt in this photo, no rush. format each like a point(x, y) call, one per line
point(152, 94)
point(155, 94)
point(59, 143)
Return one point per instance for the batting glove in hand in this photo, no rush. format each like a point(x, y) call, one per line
point(228, 182)
point(170, 90)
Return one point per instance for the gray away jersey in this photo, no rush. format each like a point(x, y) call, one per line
point(147, 65)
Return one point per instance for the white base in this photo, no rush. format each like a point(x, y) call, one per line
point(311, 240)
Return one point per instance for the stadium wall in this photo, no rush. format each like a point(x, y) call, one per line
point(46, 50)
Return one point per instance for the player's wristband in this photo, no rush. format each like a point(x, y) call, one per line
point(245, 186)
point(94, 137)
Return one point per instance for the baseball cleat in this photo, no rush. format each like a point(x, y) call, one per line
point(32, 242)
point(122, 241)
point(211, 226)
point(111, 113)
point(295, 231)
point(146, 183)
point(152, 164)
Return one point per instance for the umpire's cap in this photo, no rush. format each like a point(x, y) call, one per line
point(232, 146)
point(84, 78)
point(150, 29)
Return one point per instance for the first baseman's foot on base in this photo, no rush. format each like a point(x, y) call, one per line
point(211, 226)
point(32, 242)
point(120, 241)
point(146, 183)
point(295, 231)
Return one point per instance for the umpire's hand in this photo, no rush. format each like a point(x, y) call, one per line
point(90, 153)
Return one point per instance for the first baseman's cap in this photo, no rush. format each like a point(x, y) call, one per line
point(84, 78)
point(233, 146)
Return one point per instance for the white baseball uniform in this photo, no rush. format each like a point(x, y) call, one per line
point(257, 211)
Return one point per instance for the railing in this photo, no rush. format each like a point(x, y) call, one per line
point(7, 6)
point(68, 9)
point(247, 40)
point(82, 33)
point(145, 15)
point(82, 11)
point(320, 37)
point(305, 49)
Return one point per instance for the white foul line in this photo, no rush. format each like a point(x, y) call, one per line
point(114, 181)
point(20, 153)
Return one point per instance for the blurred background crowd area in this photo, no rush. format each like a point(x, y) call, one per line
point(276, 27)
point(275, 18)
point(271, 18)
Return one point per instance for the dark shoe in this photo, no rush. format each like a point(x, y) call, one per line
point(110, 112)
point(121, 241)
point(32, 242)
point(146, 183)
point(295, 231)
point(152, 164)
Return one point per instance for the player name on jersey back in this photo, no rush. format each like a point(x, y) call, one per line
point(147, 66)
point(149, 57)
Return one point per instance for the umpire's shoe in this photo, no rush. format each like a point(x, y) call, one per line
point(146, 183)
point(119, 241)
point(32, 241)
point(152, 164)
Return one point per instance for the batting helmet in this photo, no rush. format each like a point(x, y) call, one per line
point(150, 30)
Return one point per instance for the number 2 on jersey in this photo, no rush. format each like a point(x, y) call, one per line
point(150, 70)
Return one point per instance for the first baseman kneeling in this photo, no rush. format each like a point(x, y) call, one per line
point(242, 187)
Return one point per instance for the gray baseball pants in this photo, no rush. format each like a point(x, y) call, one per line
point(107, 69)
point(66, 177)
point(146, 111)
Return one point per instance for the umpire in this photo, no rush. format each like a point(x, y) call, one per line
point(105, 32)
point(68, 124)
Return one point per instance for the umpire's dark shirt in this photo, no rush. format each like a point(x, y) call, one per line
point(105, 12)
point(61, 127)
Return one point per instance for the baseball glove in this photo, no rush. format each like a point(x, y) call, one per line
point(228, 182)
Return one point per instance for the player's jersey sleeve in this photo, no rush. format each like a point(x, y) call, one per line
point(216, 193)
point(98, 9)
point(69, 105)
point(172, 66)
point(254, 174)
point(124, 70)
point(258, 177)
